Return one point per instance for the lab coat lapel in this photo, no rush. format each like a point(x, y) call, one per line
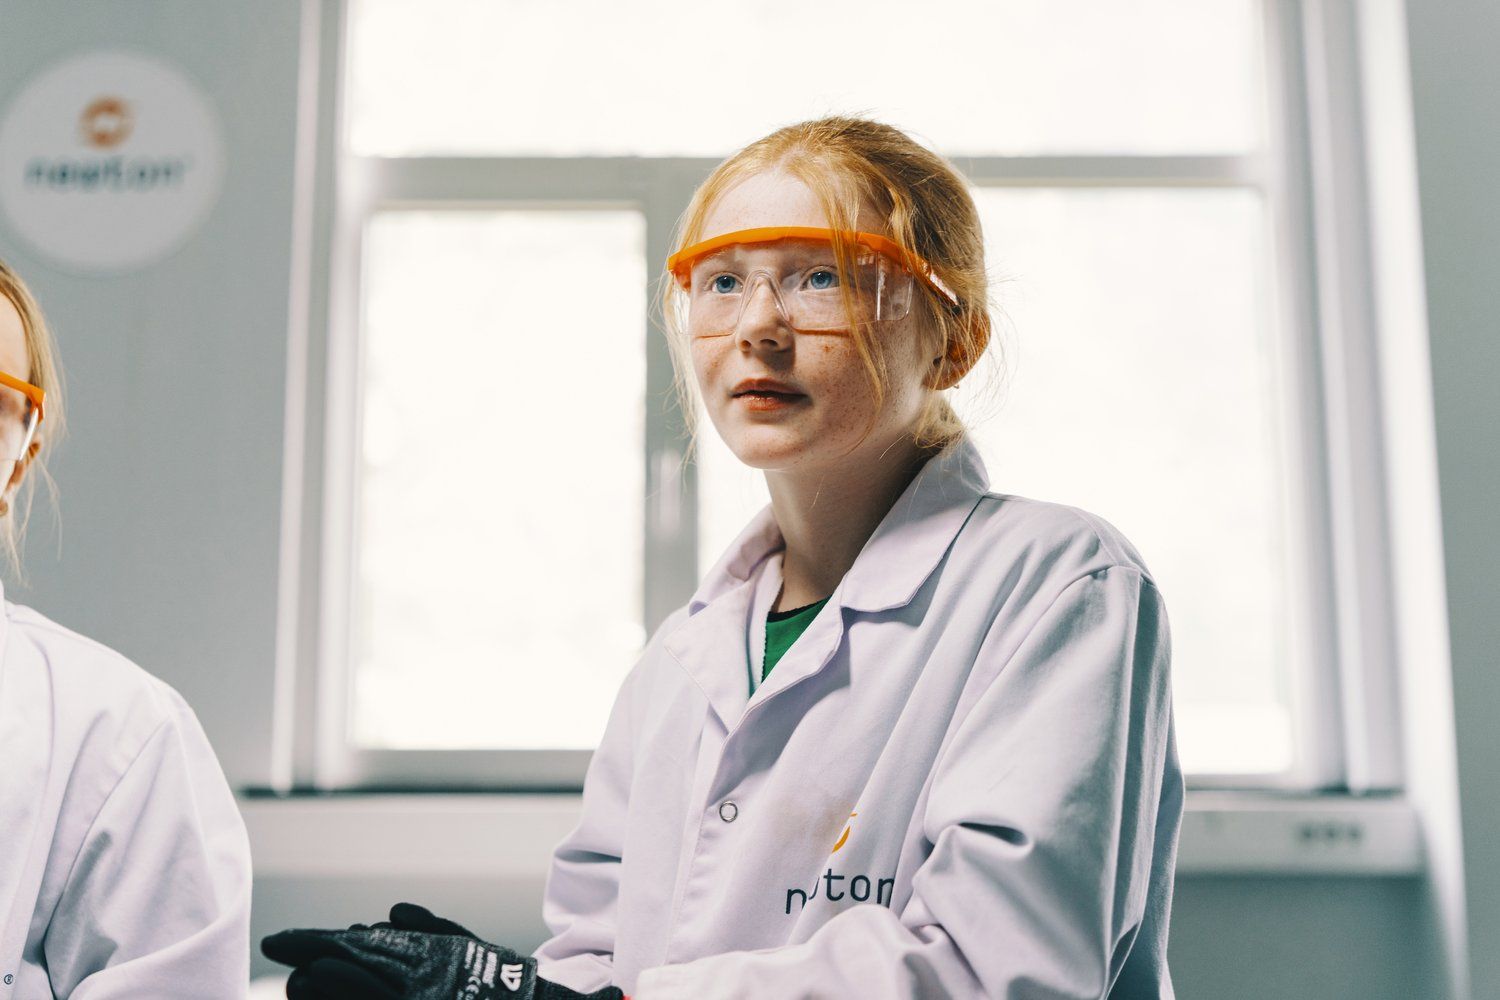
point(711, 644)
point(808, 655)
point(898, 558)
point(917, 531)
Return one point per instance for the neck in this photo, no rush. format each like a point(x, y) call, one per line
point(827, 513)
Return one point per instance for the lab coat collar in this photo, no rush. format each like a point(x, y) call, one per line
point(897, 559)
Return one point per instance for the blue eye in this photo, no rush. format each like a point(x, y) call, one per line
point(822, 280)
point(723, 283)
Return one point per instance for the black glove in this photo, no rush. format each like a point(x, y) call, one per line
point(411, 917)
point(413, 956)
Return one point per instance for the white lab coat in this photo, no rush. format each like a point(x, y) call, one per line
point(961, 780)
point(124, 864)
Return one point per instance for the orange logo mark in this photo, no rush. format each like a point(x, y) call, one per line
point(844, 837)
point(106, 122)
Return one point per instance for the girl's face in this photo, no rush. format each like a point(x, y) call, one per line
point(13, 360)
point(836, 401)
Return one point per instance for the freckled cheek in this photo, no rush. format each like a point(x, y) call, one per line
point(842, 384)
point(706, 363)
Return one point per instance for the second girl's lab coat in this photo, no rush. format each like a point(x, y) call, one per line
point(124, 864)
point(961, 780)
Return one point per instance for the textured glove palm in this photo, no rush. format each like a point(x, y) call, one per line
point(413, 956)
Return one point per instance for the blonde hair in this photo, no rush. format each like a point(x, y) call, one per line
point(44, 373)
point(852, 163)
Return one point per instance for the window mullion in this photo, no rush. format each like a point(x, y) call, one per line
point(671, 481)
point(1361, 560)
point(1309, 600)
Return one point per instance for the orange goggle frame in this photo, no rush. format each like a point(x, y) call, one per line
point(26, 389)
point(35, 395)
point(681, 262)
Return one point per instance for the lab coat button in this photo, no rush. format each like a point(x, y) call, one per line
point(728, 811)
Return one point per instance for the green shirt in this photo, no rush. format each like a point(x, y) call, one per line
point(783, 628)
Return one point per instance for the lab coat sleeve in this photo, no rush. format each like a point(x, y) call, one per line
point(583, 880)
point(157, 902)
point(1041, 815)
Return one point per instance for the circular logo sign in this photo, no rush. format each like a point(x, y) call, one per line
point(108, 161)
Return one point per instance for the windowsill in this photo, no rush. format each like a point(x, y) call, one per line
point(1271, 833)
point(512, 835)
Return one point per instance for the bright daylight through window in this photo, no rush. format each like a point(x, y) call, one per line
point(500, 543)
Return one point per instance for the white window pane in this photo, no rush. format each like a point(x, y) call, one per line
point(576, 77)
point(1142, 389)
point(499, 532)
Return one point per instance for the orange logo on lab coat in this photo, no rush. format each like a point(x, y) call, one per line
point(844, 837)
point(836, 887)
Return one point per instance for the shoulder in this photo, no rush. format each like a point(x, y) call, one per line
point(1057, 541)
point(1018, 557)
point(103, 704)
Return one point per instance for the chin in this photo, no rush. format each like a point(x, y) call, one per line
point(766, 448)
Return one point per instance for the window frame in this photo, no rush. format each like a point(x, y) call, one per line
point(1311, 175)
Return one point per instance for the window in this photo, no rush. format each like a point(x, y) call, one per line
point(1145, 390)
point(673, 79)
point(496, 512)
point(504, 446)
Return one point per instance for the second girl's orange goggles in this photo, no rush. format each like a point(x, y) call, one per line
point(21, 410)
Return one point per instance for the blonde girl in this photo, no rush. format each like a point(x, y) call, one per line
point(124, 865)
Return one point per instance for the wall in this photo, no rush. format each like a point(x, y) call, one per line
point(171, 478)
point(1456, 102)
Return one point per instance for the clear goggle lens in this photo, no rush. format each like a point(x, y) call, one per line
point(805, 282)
point(18, 423)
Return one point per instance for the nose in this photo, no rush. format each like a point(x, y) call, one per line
point(761, 319)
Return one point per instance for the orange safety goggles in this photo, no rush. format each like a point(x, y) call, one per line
point(810, 288)
point(21, 409)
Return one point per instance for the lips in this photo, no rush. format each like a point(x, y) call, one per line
point(768, 402)
point(765, 387)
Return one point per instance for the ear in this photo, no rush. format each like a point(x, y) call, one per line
point(956, 361)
